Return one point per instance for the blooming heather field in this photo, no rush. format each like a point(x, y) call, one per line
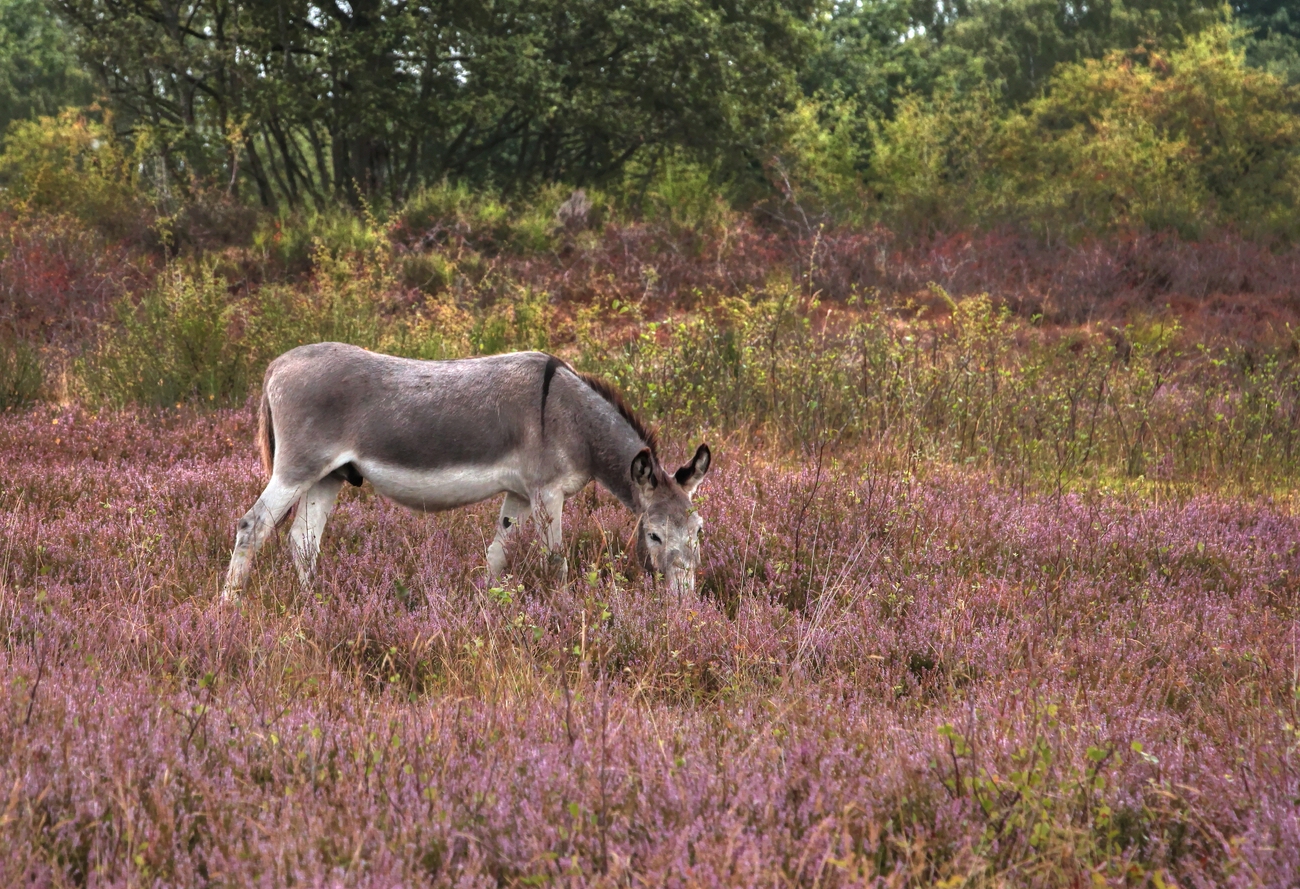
point(892, 678)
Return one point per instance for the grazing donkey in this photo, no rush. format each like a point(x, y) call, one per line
point(435, 435)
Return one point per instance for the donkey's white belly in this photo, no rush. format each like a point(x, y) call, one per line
point(445, 488)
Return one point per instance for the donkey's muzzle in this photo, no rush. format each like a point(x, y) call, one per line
point(681, 579)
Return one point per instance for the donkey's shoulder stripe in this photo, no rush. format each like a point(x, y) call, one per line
point(552, 365)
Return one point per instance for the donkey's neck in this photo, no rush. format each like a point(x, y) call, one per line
point(612, 466)
point(612, 451)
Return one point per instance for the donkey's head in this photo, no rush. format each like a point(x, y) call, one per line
point(668, 530)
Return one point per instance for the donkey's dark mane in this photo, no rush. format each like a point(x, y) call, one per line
point(606, 390)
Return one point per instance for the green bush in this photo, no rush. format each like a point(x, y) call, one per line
point(516, 324)
point(342, 302)
point(180, 342)
point(820, 167)
point(439, 330)
point(454, 214)
point(934, 163)
point(294, 241)
point(189, 339)
point(975, 385)
point(1179, 140)
point(430, 273)
point(20, 373)
point(678, 194)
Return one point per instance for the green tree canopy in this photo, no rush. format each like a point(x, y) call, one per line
point(1183, 139)
point(313, 100)
point(1275, 31)
point(39, 72)
point(1019, 43)
point(879, 49)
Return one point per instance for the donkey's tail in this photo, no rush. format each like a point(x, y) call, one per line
point(265, 434)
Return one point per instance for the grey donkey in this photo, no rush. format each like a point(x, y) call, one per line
point(435, 435)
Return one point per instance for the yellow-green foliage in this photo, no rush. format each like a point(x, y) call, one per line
point(430, 273)
point(678, 194)
point(452, 211)
point(977, 385)
point(513, 325)
point(1176, 140)
point(934, 163)
point(440, 329)
point(1145, 139)
point(343, 302)
point(20, 373)
point(819, 167)
point(453, 205)
point(192, 338)
point(70, 164)
point(295, 240)
point(178, 343)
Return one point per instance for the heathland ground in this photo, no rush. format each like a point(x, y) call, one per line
point(999, 580)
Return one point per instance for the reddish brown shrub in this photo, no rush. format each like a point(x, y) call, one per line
point(57, 278)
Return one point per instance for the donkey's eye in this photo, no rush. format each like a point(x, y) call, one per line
point(654, 538)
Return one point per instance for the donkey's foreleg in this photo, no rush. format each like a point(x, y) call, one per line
point(309, 524)
point(255, 527)
point(549, 514)
point(513, 511)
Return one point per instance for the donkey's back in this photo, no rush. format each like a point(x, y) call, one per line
point(336, 407)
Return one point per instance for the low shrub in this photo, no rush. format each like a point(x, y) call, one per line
point(515, 324)
point(291, 244)
point(343, 300)
point(179, 343)
point(451, 216)
point(20, 373)
point(194, 338)
point(968, 382)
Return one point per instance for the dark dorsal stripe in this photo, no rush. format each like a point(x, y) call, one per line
point(606, 391)
point(552, 365)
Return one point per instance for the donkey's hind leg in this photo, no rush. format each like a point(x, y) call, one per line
point(513, 511)
point(256, 526)
point(309, 524)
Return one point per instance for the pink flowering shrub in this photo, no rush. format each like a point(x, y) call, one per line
point(891, 676)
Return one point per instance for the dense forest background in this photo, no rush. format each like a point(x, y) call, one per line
point(1064, 117)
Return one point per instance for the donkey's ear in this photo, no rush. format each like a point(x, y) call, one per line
point(690, 475)
point(643, 471)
